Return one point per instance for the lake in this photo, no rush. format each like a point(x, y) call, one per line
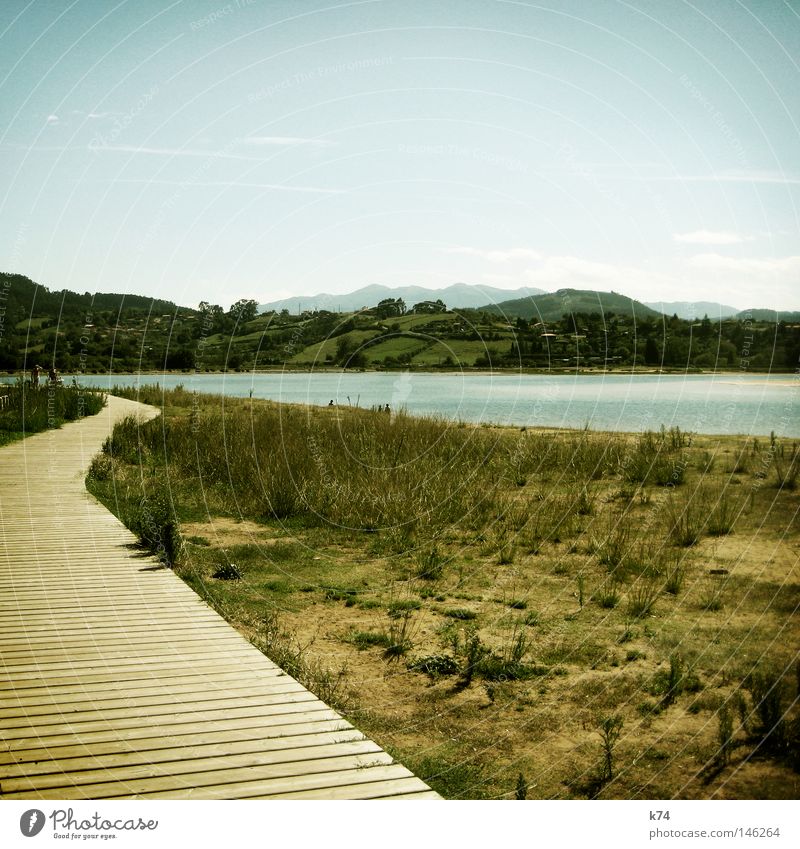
point(722, 404)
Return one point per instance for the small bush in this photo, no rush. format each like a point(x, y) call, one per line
point(674, 580)
point(505, 554)
point(767, 691)
point(642, 599)
point(227, 572)
point(153, 521)
point(613, 548)
point(669, 684)
point(399, 637)
point(430, 564)
point(474, 652)
point(787, 469)
point(722, 516)
point(724, 733)
point(435, 665)
point(339, 594)
point(685, 520)
point(607, 596)
point(368, 639)
point(712, 600)
point(101, 468)
point(399, 608)
point(460, 613)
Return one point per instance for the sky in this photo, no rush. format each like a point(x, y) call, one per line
point(264, 149)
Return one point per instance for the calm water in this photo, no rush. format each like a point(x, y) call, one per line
point(732, 403)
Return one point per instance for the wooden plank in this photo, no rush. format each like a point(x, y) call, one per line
point(272, 788)
point(142, 745)
point(316, 737)
point(135, 709)
point(46, 693)
point(199, 725)
point(219, 784)
point(231, 763)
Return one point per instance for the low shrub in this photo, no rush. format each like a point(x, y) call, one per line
point(435, 665)
point(227, 572)
point(642, 598)
point(153, 520)
point(460, 613)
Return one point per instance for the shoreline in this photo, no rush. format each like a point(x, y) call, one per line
point(478, 372)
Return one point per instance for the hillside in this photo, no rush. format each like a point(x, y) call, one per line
point(77, 331)
point(551, 307)
point(82, 334)
point(768, 315)
point(23, 296)
point(459, 295)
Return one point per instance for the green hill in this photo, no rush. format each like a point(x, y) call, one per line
point(572, 328)
point(552, 306)
point(78, 332)
point(768, 315)
point(25, 299)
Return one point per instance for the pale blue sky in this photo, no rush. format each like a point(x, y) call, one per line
point(211, 150)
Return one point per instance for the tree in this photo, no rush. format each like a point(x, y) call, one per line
point(181, 358)
point(243, 310)
point(651, 356)
point(389, 307)
point(431, 307)
point(211, 319)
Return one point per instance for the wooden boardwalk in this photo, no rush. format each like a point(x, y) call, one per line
point(117, 681)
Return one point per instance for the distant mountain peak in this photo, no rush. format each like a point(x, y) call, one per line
point(457, 295)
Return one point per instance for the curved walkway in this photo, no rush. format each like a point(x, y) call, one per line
point(117, 681)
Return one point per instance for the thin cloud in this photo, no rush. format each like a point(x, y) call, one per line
point(708, 237)
point(52, 119)
point(96, 115)
point(733, 176)
point(776, 177)
point(170, 151)
point(788, 265)
point(187, 184)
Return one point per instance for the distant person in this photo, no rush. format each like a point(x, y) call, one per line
point(53, 375)
point(387, 410)
point(330, 403)
point(35, 372)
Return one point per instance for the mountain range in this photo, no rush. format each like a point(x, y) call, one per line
point(526, 302)
point(459, 295)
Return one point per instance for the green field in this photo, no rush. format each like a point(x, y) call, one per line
point(492, 603)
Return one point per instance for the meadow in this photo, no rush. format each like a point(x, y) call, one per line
point(513, 613)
